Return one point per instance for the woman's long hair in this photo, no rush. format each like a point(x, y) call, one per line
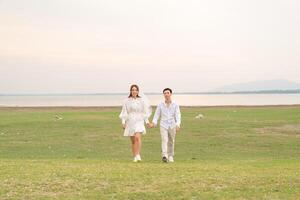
point(131, 87)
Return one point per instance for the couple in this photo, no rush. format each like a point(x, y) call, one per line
point(136, 111)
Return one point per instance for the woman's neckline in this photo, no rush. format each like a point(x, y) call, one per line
point(134, 98)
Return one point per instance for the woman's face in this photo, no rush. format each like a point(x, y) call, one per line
point(134, 92)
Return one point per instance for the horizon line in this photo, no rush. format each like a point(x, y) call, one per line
point(156, 93)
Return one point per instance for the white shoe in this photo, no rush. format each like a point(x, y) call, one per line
point(138, 157)
point(171, 159)
point(135, 159)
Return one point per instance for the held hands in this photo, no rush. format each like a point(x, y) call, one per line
point(150, 125)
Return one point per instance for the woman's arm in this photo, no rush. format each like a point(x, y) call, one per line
point(177, 116)
point(147, 112)
point(124, 113)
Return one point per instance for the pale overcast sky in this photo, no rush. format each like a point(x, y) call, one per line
point(56, 46)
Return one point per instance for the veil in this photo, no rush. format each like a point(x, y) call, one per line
point(147, 104)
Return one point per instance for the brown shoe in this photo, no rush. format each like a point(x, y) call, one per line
point(164, 159)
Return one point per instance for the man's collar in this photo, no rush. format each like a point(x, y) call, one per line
point(169, 104)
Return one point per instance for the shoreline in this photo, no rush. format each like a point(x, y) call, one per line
point(117, 107)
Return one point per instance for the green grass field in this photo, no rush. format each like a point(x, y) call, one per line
point(232, 153)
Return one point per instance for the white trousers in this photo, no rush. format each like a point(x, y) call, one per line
point(167, 141)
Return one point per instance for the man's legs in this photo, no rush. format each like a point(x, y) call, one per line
point(171, 141)
point(164, 141)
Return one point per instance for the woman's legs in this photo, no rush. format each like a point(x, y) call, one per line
point(139, 145)
point(136, 144)
point(133, 145)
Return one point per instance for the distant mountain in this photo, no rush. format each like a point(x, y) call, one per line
point(256, 86)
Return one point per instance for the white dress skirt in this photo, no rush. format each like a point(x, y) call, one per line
point(135, 111)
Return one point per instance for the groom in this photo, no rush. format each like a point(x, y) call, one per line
point(170, 119)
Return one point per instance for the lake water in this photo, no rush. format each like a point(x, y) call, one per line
point(181, 99)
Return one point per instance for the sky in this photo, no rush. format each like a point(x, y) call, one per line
point(73, 46)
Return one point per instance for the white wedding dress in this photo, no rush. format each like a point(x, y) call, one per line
point(135, 111)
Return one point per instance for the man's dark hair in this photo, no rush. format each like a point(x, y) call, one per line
point(168, 89)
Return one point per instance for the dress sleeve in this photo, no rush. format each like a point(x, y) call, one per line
point(178, 116)
point(124, 113)
point(147, 110)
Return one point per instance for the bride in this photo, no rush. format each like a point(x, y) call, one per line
point(136, 110)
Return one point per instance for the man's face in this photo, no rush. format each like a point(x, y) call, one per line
point(167, 95)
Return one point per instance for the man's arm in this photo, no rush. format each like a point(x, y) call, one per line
point(156, 115)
